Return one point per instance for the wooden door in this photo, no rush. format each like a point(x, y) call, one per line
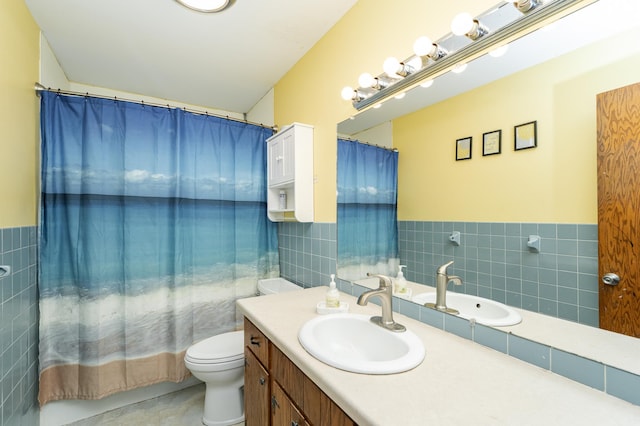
point(618, 127)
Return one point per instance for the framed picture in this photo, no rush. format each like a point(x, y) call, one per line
point(491, 142)
point(463, 149)
point(525, 136)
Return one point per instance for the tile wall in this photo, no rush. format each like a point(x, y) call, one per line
point(19, 327)
point(563, 273)
point(307, 252)
point(494, 261)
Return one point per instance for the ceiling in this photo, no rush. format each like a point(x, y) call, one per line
point(159, 48)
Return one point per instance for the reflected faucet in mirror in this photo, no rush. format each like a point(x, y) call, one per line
point(442, 281)
point(385, 293)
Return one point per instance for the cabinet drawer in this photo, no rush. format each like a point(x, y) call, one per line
point(256, 342)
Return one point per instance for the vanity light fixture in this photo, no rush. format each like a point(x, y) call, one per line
point(509, 20)
point(425, 47)
point(206, 6)
point(465, 25)
point(351, 94)
point(525, 6)
point(396, 69)
point(368, 81)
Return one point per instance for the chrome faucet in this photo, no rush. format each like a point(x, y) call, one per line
point(385, 293)
point(442, 280)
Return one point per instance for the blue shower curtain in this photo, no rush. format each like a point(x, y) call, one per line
point(153, 222)
point(367, 214)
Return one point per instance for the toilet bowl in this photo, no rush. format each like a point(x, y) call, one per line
point(218, 361)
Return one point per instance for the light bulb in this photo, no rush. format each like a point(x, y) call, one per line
point(462, 24)
point(459, 68)
point(500, 51)
point(414, 64)
point(347, 93)
point(423, 46)
point(426, 84)
point(366, 80)
point(207, 6)
point(391, 67)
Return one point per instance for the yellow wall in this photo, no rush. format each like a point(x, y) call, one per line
point(19, 52)
point(555, 182)
point(371, 31)
point(552, 183)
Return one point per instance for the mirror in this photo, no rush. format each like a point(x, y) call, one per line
point(592, 50)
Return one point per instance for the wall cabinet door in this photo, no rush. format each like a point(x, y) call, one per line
point(256, 391)
point(281, 156)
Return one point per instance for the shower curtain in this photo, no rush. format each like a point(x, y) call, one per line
point(367, 218)
point(153, 222)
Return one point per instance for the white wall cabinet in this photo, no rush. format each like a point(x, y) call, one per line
point(290, 169)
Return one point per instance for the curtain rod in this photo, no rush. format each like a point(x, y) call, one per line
point(40, 88)
point(348, 139)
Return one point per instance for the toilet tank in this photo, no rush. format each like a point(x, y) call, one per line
point(276, 285)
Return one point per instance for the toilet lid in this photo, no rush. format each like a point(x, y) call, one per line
point(220, 348)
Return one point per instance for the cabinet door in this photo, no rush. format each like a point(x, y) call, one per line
point(287, 375)
point(283, 412)
point(281, 158)
point(332, 415)
point(256, 391)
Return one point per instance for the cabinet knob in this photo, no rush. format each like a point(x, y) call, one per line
point(262, 381)
point(255, 341)
point(294, 423)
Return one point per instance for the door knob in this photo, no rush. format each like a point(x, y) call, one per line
point(610, 279)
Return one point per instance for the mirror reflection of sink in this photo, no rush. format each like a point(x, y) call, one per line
point(351, 342)
point(484, 311)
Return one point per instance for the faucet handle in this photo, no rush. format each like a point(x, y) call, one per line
point(443, 269)
point(384, 280)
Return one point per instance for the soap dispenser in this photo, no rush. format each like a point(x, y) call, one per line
point(400, 281)
point(333, 296)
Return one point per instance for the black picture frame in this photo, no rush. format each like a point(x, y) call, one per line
point(525, 136)
point(463, 148)
point(492, 143)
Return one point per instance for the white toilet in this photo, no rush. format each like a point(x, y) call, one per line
point(218, 361)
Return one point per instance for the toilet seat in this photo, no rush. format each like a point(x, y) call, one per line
point(222, 348)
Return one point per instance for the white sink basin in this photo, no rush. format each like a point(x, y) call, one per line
point(353, 343)
point(484, 311)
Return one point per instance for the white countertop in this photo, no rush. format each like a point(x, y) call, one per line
point(458, 383)
point(614, 349)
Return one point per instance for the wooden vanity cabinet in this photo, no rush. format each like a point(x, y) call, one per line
point(276, 389)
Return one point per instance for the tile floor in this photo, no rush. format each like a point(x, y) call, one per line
point(182, 408)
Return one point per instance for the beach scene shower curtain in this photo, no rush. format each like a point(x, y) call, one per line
point(367, 214)
point(153, 223)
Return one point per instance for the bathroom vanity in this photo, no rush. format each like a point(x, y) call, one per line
point(278, 390)
point(459, 381)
